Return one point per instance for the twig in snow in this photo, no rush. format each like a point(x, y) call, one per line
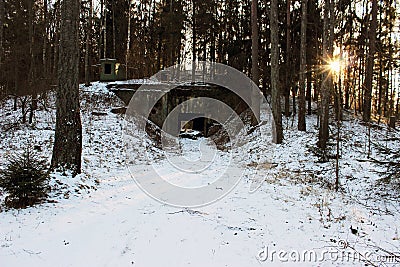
point(31, 252)
point(188, 211)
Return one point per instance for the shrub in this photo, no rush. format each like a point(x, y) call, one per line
point(24, 180)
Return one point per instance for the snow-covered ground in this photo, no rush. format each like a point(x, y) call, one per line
point(102, 218)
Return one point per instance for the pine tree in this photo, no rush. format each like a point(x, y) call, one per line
point(67, 147)
point(275, 92)
point(303, 61)
point(326, 86)
point(87, 44)
point(370, 64)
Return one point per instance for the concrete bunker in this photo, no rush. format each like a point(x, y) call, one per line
point(185, 121)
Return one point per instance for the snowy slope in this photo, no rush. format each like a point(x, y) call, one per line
point(102, 218)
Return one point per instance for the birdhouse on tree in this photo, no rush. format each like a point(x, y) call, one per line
point(111, 70)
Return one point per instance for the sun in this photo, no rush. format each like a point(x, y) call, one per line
point(335, 66)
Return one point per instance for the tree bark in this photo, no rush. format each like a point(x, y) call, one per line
point(128, 43)
point(275, 90)
point(288, 82)
point(87, 47)
point(104, 6)
point(57, 38)
point(32, 73)
point(398, 105)
point(45, 40)
point(309, 93)
point(254, 62)
point(254, 43)
point(303, 61)
point(370, 64)
point(67, 149)
point(326, 82)
point(113, 29)
point(193, 40)
point(2, 12)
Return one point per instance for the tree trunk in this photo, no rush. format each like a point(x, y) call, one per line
point(254, 42)
point(87, 47)
point(128, 43)
point(275, 92)
point(392, 122)
point(67, 149)
point(16, 87)
point(288, 81)
point(32, 108)
point(309, 92)
point(104, 29)
point(113, 29)
point(2, 12)
point(15, 106)
point(254, 62)
point(193, 40)
point(347, 88)
point(45, 40)
point(294, 93)
point(326, 82)
point(398, 105)
point(303, 61)
point(56, 39)
point(24, 101)
point(370, 64)
point(31, 76)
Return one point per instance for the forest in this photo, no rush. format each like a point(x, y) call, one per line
point(328, 70)
point(341, 51)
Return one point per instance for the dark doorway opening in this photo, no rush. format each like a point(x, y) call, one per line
point(198, 124)
point(192, 125)
point(107, 68)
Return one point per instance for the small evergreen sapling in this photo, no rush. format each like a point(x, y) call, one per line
point(24, 179)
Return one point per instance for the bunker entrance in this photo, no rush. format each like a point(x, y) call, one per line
point(192, 125)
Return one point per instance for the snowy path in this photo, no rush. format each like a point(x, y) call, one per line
point(119, 225)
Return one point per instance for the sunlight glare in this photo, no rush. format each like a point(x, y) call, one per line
point(335, 66)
